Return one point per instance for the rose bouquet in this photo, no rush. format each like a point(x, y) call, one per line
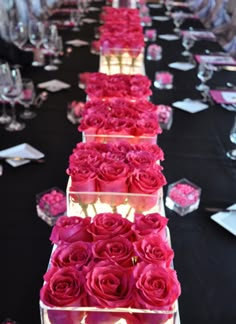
point(103, 86)
point(119, 118)
point(103, 270)
point(114, 176)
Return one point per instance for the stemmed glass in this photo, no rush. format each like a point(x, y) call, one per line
point(4, 79)
point(75, 19)
point(58, 49)
point(187, 42)
point(12, 91)
point(18, 33)
point(50, 38)
point(204, 73)
point(36, 34)
point(168, 5)
point(178, 19)
point(232, 135)
point(26, 98)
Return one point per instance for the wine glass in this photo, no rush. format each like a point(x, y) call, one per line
point(204, 73)
point(12, 91)
point(75, 19)
point(187, 42)
point(178, 19)
point(4, 79)
point(49, 43)
point(36, 34)
point(168, 5)
point(18, 33)
point(58, 49)
point(232, 135)
point(27, 98)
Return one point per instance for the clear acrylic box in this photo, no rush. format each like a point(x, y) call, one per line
point(51, 204)
point(106, 138)
point(122, 62)
point(85, 204)
point(183, 197)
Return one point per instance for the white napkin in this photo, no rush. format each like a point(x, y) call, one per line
point(229, 96)
point(214, 59)
point(155, 5)
point(183, 66)
point(54, 85)
point(160, 18)
point(226, 219)
point(168, 37)
point(93, 9)
point(77, 42)
point(191, 106)
point(89, 20)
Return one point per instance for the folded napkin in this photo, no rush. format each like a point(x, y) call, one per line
point(191, 106)
point(199, 34)
point(155, 5)
point(54, 85)
point(89, 20)
point(223, 96)
point(215, 59)
point(77, 42)
point(168, 37)
point(183, 66)
point(160, 18)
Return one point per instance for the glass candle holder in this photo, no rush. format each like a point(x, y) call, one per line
point(154, 52)
point(163, 80)
point(183, 197)
point(150, 35)
point(165, 116)
point(51, 204)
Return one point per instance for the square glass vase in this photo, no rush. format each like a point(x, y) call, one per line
point(51, 204)
point(84, 204)
point(122, 62)
point(183, 197)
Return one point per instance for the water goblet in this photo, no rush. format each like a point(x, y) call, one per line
point(169, 6)
point(178, 19)
point(232, 135)
point(36, 34)
point(18, 33)
point(12, 91)
point(204, 73)
point(27, 98)
point(4, 79)
point(75, 19)
point(50, 37)
point(187, 42)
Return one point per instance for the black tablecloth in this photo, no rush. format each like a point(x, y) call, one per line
point(195, 148)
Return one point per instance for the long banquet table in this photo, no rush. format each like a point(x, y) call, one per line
point(195, 148)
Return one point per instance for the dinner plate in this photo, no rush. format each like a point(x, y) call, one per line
point(23, 150)
point(226, 219)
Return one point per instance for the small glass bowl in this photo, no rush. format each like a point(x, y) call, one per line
point(51, 204)
point(163, 80)
point(183, 197)
point(154, 52)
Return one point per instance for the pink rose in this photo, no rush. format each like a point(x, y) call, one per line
point(149, 224)
point(146, 182)
point(108, 225)
point(140, 159)
point(71, 229)
point(112, 177)
point(153, 249)
point(91, 123)
point(108, 285)
point(118, 250)
point(75, 254)
point(157, 287)
point(153, 149)
point(63, 287)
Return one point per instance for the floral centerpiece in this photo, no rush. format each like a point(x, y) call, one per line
point(114, 177)
point(103, 86)
point(118, 118)
point(107, 270)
